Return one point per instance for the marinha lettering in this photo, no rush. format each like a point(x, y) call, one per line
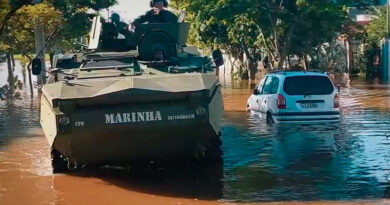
point(118, 118)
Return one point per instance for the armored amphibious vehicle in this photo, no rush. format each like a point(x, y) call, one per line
point(145, 97)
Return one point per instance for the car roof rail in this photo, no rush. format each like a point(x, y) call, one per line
point(297, 70)
point(277, 71)
point(315, 71)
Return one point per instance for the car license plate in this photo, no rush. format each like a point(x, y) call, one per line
point(309, 105)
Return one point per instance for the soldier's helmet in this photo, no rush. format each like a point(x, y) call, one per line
point(115, 17)
point(152, 2)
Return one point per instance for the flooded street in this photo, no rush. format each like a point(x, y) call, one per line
point(317, 164)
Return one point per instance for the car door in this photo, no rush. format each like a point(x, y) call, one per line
point(272, 95)
point(267, 90)
point(257, 96)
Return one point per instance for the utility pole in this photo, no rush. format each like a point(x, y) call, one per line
point(387, 19)
point(386, 48)
point(40, 45)
point(40, 48)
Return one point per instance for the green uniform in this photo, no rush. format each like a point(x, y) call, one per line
point(164, 16)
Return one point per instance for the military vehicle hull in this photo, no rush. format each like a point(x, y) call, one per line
point(133, 119)
point(148, 97)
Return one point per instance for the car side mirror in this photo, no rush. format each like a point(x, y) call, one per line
point(36, 66)
point(218, 57)
point(338, 88)
point(256, 92)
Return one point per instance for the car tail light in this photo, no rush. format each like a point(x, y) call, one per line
point(281, 102)
point(336, 101)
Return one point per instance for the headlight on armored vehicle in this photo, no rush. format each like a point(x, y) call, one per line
point(64, 121)
point(200, 111)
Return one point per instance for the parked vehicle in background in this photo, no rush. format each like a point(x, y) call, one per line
point(3, 58)
point(295, 96)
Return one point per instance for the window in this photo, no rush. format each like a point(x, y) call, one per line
point(275, 85)
point(308, 85)
point(268, 86)
point(259, 87)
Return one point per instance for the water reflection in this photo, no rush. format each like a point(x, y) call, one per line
point(342, 161)
point(345, 161)
point(184, 180)
point(18, 111)
point(302, 163)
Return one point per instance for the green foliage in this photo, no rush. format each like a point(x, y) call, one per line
point(64, 20)
point(11, 90)
point(74, 12)
point(376, 32)
point(20, 34)
point(277, 28)
point(69, 7)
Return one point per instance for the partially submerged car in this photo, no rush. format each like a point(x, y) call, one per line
point(296, 96)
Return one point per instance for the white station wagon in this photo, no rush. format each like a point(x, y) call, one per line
point(296, 96)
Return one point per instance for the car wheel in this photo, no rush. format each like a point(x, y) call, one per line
point(212, 154)
point(58, 163)
point(270, 120)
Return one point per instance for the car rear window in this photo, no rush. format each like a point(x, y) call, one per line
point(308, 85)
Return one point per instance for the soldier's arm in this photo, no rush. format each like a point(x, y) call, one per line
point(170, 17)
point(144, 18)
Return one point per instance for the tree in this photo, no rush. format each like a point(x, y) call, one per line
point(278, 27)
point(9, 9)
point(376, 31)
point(20, 35)
point(73, 10)
point(64, 20)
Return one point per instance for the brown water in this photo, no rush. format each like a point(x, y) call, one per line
point(346, 163)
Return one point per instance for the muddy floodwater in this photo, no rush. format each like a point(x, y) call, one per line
point(346, 163)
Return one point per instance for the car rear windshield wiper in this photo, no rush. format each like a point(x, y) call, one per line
point(307, 94)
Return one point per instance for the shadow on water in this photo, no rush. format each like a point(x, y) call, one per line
point(345, 161)
point(184, 180)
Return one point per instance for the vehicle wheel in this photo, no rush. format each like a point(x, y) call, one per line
point(214, 152)
point(270, 121)
point(58, 163)
point(72, 165)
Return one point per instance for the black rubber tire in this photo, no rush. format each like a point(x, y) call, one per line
point(214, 152)
point(269, 119)
point(58, 164)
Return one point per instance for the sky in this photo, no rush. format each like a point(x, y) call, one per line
point(129, 9)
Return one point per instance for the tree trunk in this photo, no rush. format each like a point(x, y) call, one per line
point(252, 70)
point(286, 47)
point(30, 79)
point(289, 62)
point(51, 54)
point(29, 74)
point(13, 61)
point(282, 60)
point(11, 79)
point(304, 62)
point(251, 62)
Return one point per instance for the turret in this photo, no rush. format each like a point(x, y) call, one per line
point(153, 41)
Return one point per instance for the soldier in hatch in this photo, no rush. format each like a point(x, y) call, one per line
point(158, 14)
point(120, 27)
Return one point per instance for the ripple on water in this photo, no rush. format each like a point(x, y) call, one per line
point(348, 160)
